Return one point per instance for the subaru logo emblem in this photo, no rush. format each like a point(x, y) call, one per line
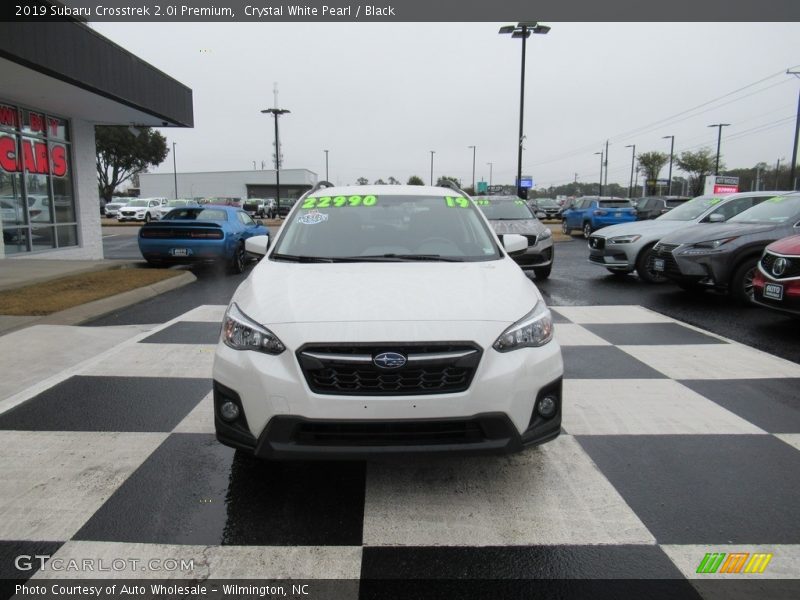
point(779, 266)
point(389, 360)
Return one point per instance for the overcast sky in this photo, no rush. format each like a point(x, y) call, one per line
point(379, 97)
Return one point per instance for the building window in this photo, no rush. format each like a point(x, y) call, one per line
point(37, 201)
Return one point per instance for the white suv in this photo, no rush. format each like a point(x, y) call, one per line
point(386, 319)
point(141, 209)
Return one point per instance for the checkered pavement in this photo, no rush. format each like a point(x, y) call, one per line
point(675, 442)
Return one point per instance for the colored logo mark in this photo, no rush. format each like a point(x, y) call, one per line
point(734, 562)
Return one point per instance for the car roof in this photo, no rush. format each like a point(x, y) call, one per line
point(386, 190)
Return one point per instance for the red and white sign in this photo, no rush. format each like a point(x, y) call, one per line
point(34, 158)
point(721, 184)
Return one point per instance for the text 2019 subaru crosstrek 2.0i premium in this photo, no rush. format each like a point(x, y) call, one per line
point(386, 319)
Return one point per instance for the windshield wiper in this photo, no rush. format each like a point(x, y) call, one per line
point(302, 259)
point(391, 257)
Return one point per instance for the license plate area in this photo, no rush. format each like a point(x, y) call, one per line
point(180, 252)
point(773, 291)
point(658, 264)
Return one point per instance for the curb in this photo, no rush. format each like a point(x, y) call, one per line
point(97, 308)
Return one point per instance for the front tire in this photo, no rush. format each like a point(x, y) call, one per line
point(587, 230)
point(741, 286)
point(147, 217)
point(643, 267)
point(564, 229)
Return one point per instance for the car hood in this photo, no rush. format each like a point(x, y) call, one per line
point(789, 246)
point(702, 232)
point(641, 228)
point(520, 226)
point(278, 292)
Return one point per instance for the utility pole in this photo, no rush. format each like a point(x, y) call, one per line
point(793, 168)
point(174, 170)
point(326, 165)
point(671, 151)
point(606, 164)
point(473, 168)
point(490, 174)
point(719, 127)
point(276, 112)
point(633, 159)
point(600, 188)
point(432, 153)
point(777, 173)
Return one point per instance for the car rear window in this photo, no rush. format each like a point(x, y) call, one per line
point(615, 204)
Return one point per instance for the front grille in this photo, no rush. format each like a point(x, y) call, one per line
point(388, 433)
point(349, 369)
point(597, 243)
point(792, 268)
point(664, 251)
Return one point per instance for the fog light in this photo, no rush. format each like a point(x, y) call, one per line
point(547, 407)
point(229, 411)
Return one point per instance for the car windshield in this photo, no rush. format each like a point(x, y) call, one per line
point(615, 204)
point(504, 209)
point(691, 210)
point(547, 203)
point(197, 214)
point(386, 228)
point(137, 203)
point(776, 210)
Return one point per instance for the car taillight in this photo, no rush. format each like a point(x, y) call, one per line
point(601, 212)
point(207, 235)
point(156, 233)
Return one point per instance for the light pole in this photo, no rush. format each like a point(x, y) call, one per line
point(276, 112)
point(490, 174)
point(633, 158)
point(600, 189)
point(777, 173)
point(793, 168)
point(175, 170)
point(605, 179)
point(432, 153)
point(719, 127)
point(523, 31)
point(671, 152)
point(326, 165)
point(473, 168)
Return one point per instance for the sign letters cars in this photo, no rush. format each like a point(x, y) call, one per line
point(386, 319)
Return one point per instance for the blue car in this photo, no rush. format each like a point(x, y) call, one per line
point(203, 234)
point(592, 212)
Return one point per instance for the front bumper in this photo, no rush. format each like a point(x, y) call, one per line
point(540, 255)
point(281, 417)
point(613, 256)
point(136, 217)
point(789, 302)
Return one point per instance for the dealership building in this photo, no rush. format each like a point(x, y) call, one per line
point(226, 184)
point(58, 80)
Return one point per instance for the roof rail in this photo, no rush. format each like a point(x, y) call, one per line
point(317, 186)
point(449, 183)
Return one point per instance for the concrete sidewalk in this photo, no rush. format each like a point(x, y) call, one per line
point(16, 273)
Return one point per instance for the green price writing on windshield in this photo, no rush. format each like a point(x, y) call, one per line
point(337, 201)
point(482, 202)
point(457, 202)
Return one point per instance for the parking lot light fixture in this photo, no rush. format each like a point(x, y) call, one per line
point(432, 153)
point(473, 168)
point(276, 112)
point(523, 31)
point(600, 189)
point(490, 173)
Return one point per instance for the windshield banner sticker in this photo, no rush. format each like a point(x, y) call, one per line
point(338, 201)
point(312, 217)
point(457, 202)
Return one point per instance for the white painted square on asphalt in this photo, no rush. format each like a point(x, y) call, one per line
point(611, 314)
point(54, 481)
point(793, 439)
point(210, 313)
point(552, 494)
point(569, 334)
point(157, 360)
point(713, 361)
point(201, 419)
point(644, 407)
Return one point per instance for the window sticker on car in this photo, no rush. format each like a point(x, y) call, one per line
point(337, 201)
point(714, 201)
point(777, 199)
point(457, 202)
point(312, 217)
point(481, 202)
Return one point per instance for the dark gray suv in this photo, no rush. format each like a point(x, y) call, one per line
point(724, 256)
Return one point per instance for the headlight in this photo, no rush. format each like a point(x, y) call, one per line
point(703, 247)
point(531, 331)
point(240, 332)
point(546, 234)
point(623, 239)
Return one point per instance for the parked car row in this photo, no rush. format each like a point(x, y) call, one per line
point(714, 242)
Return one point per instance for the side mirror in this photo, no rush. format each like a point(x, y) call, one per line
point(514, 243)
point(258, 245)
point(259, 222)
point(716, 218)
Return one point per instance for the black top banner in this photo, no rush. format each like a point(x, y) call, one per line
point(255, 11)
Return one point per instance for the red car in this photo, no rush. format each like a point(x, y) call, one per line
point(776, 283)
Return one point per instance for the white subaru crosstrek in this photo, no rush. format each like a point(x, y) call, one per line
point(386, 319)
